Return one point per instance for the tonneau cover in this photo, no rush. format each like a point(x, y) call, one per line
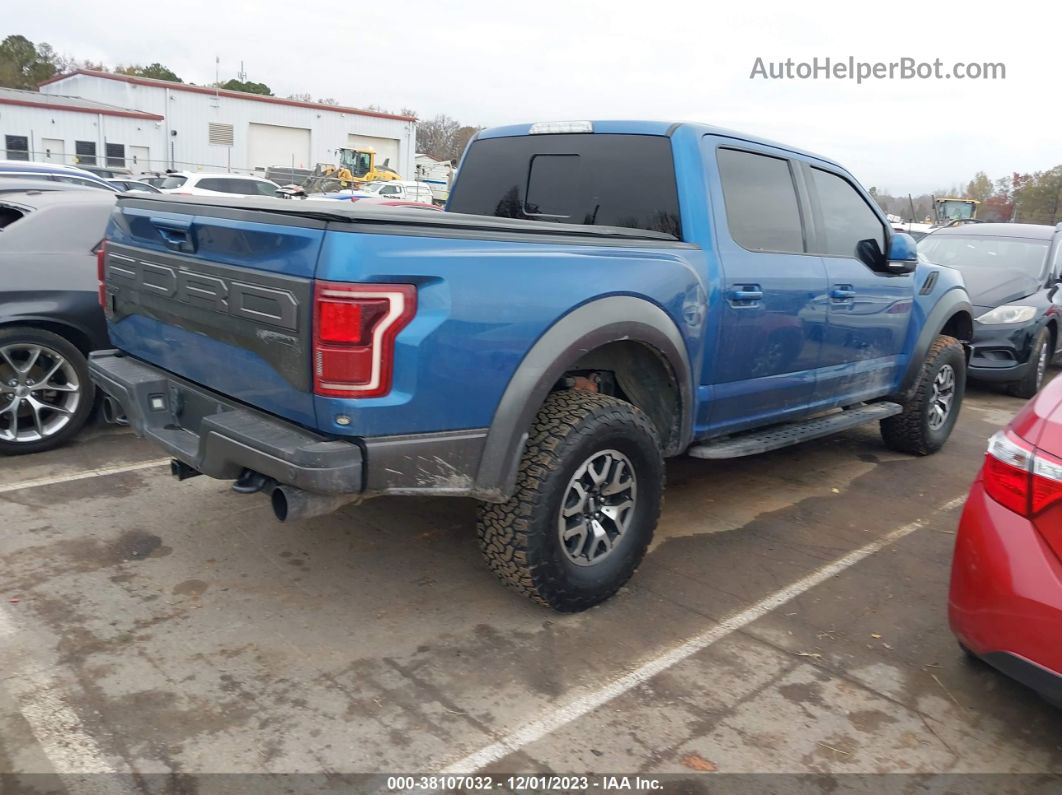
point(376, 215)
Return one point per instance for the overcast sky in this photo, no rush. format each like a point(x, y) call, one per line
point(489, 62)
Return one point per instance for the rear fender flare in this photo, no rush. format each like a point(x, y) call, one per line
point(587, 328)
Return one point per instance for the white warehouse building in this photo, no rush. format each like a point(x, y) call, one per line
point(98, 118)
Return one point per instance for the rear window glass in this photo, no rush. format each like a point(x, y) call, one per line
point(761, 204)
point(598, 178)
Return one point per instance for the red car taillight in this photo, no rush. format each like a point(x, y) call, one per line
point(1020, 477)
point(354, 332)
point(101, 256)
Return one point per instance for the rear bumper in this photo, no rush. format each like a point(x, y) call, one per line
point(220, 437)
point(1005, 602)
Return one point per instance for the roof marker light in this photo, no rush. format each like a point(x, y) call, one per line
point(554, 127)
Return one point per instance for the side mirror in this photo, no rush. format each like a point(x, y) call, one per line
point(903, 254)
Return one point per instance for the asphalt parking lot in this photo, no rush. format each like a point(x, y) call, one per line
point(789, 618)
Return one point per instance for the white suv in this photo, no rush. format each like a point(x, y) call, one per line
point(407, 190)
point(189, 183)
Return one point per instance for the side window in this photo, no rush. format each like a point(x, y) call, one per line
point(115, 155)
point(1056, 267)
point(389, 190)
point(761, 202)
point(265, 189)
point(86, 153)
point(846, 218)
point(213, 184)
point(17, 147)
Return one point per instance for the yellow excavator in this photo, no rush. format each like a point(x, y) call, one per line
point(358, 166)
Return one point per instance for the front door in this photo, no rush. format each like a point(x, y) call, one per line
point(869, 310)
point(54, 150)
point(773, 314)
point(139, 159)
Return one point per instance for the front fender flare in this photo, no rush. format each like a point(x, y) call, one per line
point(950, 303)
point(586, 328)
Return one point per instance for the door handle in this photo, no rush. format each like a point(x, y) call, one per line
point(842, 293)
point(746, 295)
point(177, 234)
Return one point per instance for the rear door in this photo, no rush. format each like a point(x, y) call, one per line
point(217, 297)
point(773, 311)
point(869, 311)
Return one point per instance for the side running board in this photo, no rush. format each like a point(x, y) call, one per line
point(785, 434)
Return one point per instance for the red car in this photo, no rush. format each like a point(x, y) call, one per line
point(1006, 578)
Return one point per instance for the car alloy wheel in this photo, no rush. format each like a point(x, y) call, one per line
point(943, 395)
point(597, 508)
point(39, 392)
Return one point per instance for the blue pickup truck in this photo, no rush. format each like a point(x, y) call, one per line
point(598, 297)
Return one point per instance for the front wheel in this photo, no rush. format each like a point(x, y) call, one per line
point(1039, 359)
point(586, 503)
point(929, 416)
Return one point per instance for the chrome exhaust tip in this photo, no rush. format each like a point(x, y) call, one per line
point(113, 412)
point(291, 504)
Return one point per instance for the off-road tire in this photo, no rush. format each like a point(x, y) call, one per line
point(910, 431)
point(520, 537)
point(14, 335)
point(1030, 384)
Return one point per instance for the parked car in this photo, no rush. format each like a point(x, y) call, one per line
point(406, 190)
point(109, 172)
point(186, 183)
point(1005, 605)
point(50, 316)
point(1012, 272)
point(541, 346)
point(22, 169)
point(134, 185)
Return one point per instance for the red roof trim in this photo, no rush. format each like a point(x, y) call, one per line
point(129, 114)
point(146, 81)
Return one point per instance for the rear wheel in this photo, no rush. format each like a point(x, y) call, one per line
point(929, 416)
point(1038, 361)
point(586, 503)
point(45, 391)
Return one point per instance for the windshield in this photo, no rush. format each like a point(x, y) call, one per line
point(372, 187)
point(173, 182)
point(955, 210)
point(358, 162)
point(984, 255)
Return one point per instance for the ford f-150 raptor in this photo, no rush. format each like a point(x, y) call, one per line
point(597, 297)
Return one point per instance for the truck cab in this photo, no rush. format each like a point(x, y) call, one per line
point(597, 297)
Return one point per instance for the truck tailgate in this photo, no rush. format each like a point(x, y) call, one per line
point(222, 300)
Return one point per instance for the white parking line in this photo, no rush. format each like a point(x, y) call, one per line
point(88, 473)
point(554, 718)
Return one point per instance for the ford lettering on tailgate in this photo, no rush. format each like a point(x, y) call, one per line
point(262, 312)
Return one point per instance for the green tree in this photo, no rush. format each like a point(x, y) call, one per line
point(155, 71)
point(1038, 198)
point(23, 65)
point(980, 187)
point(249, 86)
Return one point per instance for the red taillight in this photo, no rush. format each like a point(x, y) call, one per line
point(1046, 481)
point(1020, 477)
point(355, 326)
point(101, 256)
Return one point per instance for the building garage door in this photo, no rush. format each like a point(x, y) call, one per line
point(273, 145)
point(386, 148)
